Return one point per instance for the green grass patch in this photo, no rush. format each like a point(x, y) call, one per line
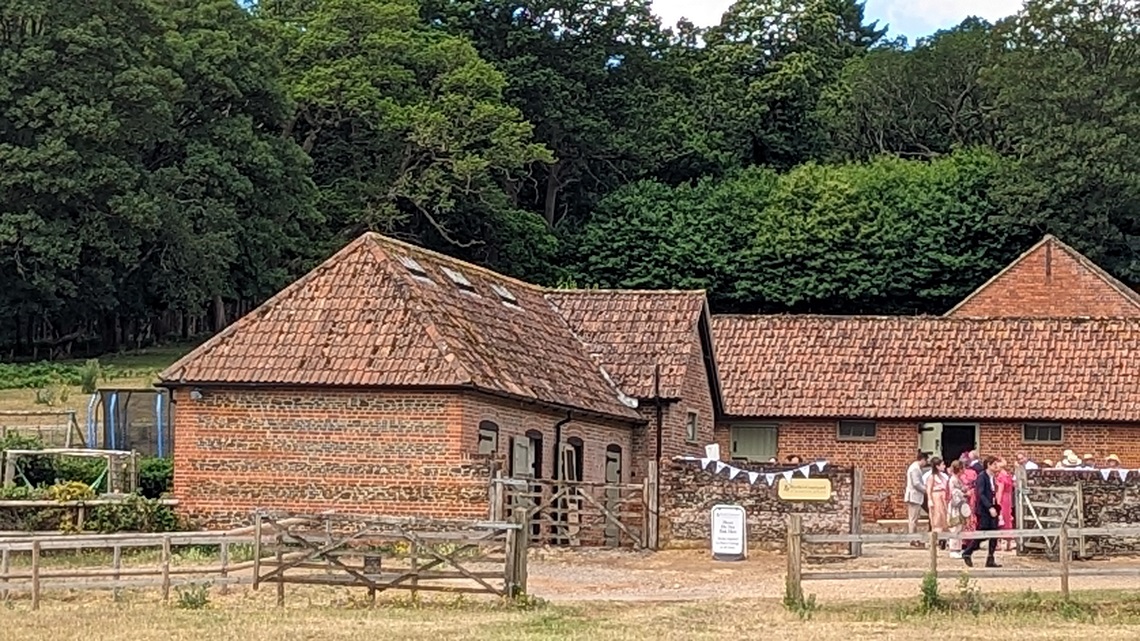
point(75, 373)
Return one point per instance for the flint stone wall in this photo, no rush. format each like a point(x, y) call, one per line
point(1107, 503)
point(689, 493)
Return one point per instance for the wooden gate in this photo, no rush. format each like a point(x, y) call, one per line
point(382, 554)
point(575, 513)
point(1049, 508)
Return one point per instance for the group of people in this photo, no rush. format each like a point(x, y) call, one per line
point(1070, 461)
point(969, 494)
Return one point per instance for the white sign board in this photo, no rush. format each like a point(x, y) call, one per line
point(712, 451)
point(729, 533)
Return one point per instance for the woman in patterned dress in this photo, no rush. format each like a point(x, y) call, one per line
point(959, 499)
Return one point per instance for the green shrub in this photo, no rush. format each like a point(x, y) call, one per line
point(134, 514)
point(156, 477)
point(930, 600)
point(194, 596)
point(89, 376)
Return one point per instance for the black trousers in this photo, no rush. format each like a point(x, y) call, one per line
point(985, 524)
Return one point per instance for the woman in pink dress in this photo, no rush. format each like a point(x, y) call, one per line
point(938, 495)
point(969, 479)
point(1005, 499)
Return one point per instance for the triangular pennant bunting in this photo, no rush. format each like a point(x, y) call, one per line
point(705, 463)
point(770, 478)
point(752, 476)
point(819, 465)
point(1104, 474)
point(720, 467)
point(733, 472)
point(805, 470)
point(1122, 474)
point(787, 475)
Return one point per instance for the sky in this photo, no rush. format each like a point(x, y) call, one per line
point(910, 18)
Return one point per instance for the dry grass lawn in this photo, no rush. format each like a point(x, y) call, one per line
point(248, 615)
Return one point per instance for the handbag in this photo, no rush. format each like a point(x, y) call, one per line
point(964, 511)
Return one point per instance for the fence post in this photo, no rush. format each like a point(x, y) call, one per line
point(35, 575)
point(518, 541)
point(279, 555)
point(652, 506)
point(116, 563)
point(166, 568)
point(256, 550)
point(793, 590)
point(224, 553)
point(856, 510)
point(1063, 551)
point(496, 497)
point(5, 566)
point(1021, 495)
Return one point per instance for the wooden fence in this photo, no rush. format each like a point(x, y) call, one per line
point(380, 554)
point(1065, 537)
point(39, 577)
point(579, 513)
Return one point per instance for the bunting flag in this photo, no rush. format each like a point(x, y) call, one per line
point(754, 477)
point(1122, 473)
point(1105, 473)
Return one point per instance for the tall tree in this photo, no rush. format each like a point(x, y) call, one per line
point(1067, 92)
point(406, 125)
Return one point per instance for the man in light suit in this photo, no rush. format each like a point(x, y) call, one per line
point(914, 495)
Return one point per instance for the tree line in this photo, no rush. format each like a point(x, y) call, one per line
point(165, 165)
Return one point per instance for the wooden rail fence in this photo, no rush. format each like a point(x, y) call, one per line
point(379, 554)
point(1065, 536)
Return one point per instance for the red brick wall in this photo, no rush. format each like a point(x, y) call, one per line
point(1048, 283)
point(696, 397)
point(515, 419)
point(884, 460)
point(378, 452)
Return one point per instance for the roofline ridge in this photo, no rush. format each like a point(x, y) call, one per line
point(456, 263)
point(579, 290)
point(270, 303)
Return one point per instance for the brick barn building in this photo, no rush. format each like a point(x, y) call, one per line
point(392, 378)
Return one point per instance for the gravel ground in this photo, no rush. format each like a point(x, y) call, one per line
point(615, 575)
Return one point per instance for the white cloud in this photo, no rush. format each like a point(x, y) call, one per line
point(910, 17)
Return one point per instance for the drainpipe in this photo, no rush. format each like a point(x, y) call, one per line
point(660, 410)
point(558, 445)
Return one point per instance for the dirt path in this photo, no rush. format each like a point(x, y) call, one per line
point(583, 575)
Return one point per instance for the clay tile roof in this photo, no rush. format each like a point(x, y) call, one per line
point(631, 332)
point(1093, 278)
point(363, 317)
point(929, 368)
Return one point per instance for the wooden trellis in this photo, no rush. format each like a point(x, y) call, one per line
point(381, 553)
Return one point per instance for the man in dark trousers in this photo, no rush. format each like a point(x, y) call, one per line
point(987, 511)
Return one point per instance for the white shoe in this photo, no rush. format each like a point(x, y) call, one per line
point(955, 555)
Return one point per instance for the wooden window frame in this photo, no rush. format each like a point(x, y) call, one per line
point(840, 436)
point(487, 428)
point(753, 426)
point(1038, 425)
point(692, 419)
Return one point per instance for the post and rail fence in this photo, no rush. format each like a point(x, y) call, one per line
point(1065, 536)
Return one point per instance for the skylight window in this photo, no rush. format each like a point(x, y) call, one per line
point(504, 294)
point(459, 279)
point(413, 266)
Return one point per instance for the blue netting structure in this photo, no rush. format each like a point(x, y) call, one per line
point(130, 419)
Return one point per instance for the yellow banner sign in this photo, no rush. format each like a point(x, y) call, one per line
point(804, 490)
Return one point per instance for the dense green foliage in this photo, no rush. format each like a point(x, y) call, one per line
point(167, 164)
